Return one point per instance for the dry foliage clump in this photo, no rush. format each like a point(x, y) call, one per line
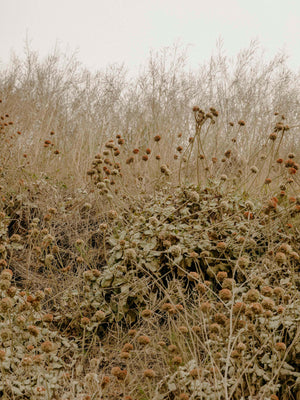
point(150, 266)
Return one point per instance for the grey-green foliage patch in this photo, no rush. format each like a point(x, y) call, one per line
point(171, 235)
point(25, 369)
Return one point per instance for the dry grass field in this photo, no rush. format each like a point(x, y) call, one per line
point(150, 229)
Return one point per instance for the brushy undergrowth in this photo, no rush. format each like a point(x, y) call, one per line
point(162, 267)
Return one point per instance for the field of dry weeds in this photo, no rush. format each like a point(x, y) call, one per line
point(150, 229)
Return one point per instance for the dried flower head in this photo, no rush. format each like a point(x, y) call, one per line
point(256, 308)
point(149, 373)
point(196, 373)
point(147, 313)
point(225, 294)
point(124, 355)
point(252, 295)
point(144, 340)
point(127, 347)
point(280, 258)
point(280, 346)
point(268, 304)
point(47, 346)
point(183, 329)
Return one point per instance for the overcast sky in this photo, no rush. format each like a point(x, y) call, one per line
point(109, 31)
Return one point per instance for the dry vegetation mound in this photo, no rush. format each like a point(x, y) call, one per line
point(162, 263)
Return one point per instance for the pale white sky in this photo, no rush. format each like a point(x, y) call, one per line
point(109, 31)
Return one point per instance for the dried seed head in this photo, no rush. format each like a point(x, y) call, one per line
point(47, 318)
point(239, 307)
point(256, 308)
point(221, 275)
point(147, 313)
point(221, 246)
point(280, 258)
point(268, 304)
point(183, 329)
point(172, 348)
point(278, 292)
point(124, 355)
point(197, 329)
point(196, 373)
point(144, 340)
point(149, 373)
point(266, 291)
point(6, 274)
point(220, 318)
point(225, 294)
point(252, 295)
point(127, 347)
point(177, 360)
point(228, 283)
point(243, 261)
point(47, 346)
point(85, 321)
point(280, 346)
